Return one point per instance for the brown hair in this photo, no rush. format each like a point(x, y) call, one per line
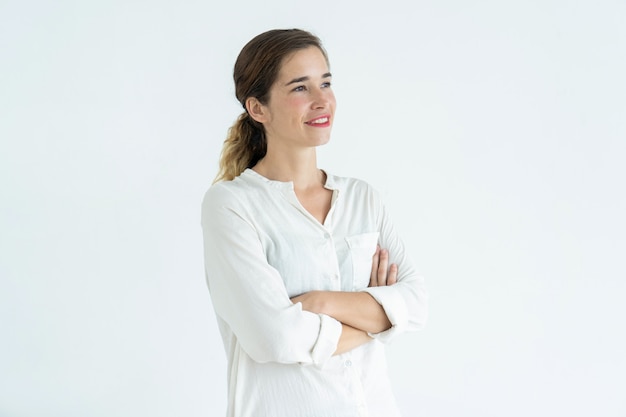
point(256, 70)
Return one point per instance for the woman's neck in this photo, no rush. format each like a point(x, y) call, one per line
point(301, 169)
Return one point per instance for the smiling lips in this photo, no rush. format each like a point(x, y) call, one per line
point(323, 121)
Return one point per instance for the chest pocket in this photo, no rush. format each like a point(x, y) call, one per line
point(361, 248)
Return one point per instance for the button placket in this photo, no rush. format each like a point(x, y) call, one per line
point(336, 276)
point(357, 386)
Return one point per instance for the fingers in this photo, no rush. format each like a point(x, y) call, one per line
point(392, 278)
point(382, 273)
point(382, 268)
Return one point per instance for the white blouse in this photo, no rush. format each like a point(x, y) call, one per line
point(261, 247)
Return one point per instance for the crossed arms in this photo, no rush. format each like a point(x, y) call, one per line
point(255, 311)
point(358, 312)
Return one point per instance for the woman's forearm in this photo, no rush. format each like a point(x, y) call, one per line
point(356, 309)
point(351, 338)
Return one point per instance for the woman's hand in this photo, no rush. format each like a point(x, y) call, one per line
point(382, 273)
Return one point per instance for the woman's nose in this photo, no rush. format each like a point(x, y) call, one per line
point(321, 98)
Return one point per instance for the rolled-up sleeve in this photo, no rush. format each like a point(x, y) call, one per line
point(406, 302)
point(249, 295)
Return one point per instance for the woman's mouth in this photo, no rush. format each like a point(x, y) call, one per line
point(319, 122)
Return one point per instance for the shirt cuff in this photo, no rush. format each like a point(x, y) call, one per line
point(395, 307)
point(327, 341)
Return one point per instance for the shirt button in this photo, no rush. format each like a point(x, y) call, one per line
point(348, 363)
point(326, 235)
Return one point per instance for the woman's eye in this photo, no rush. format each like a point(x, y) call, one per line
point(326, 84)
point(300, 88)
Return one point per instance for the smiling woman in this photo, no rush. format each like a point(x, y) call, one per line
point(297, 116)
point(305, 297)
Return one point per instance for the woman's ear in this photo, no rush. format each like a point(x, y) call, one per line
point(256, 110)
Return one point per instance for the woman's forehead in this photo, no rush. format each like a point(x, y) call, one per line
point(309, 62)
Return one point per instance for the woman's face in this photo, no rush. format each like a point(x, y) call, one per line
point(301, 104)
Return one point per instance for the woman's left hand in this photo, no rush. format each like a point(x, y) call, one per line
point(382, 274)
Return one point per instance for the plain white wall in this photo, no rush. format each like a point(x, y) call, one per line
point(495, 130)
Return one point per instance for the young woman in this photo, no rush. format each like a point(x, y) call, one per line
point(304, 297)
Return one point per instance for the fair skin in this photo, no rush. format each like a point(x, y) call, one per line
point(297, 118)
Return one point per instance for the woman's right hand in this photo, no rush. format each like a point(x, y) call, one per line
point(382, 273)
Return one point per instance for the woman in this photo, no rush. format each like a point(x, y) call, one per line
point(303, 294)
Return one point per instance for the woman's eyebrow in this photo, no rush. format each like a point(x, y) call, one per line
point(306, 78)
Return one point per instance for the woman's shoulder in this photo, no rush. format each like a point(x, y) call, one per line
point(226, 192)
point(249, 188)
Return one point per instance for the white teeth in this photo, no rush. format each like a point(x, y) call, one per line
point(319, 121)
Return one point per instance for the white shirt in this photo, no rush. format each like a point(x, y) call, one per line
point(262, 247)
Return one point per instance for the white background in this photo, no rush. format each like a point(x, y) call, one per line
point(495, 130)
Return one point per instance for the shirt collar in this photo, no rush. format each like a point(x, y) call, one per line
point(331, 182)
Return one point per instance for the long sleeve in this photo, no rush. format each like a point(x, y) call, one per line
point(249, 295)
point(406, 302)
